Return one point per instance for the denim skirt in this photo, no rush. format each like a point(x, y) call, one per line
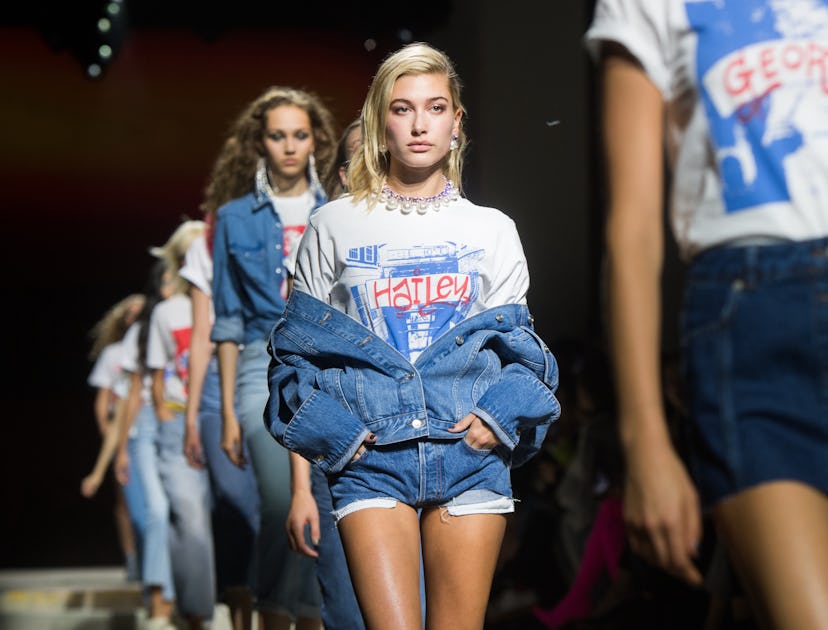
point(754, 334)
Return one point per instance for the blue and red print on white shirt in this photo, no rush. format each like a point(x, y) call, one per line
point(762, 70)
point(412, 295)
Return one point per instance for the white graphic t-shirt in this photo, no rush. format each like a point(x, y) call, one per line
point(198, 269)
point(746, 88)
point(129, 360)
point(198, 266)
point(106, 373)
point(168, 345)
point(293, 211)
point(410, 278)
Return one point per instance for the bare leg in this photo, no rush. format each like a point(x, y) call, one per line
point(159, 607)
point(273, 621)
point(777, 538)
point(459, 555)
point(240, 602)
point(309, 623)
point(126, 537)
point(382, 546)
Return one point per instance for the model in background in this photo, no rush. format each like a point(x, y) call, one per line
point(729, 89)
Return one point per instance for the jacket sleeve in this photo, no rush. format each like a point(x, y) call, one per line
point(228, 324)
point(301, 416)
point(520, 405)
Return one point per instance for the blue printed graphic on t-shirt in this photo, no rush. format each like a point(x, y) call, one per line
point(758, 62)
point(414, 294)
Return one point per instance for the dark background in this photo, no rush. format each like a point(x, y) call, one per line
point(95, 171)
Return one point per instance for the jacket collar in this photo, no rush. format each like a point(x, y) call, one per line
point(261, 199)
point(315, 312)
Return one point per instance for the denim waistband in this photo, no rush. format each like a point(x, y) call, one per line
point(757, 262)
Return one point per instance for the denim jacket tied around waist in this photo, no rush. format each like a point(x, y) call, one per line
point(333, 381)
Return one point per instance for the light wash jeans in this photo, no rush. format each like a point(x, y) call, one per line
point(178, 550)
point(285, 581)
point(136, 505)
point(235, 498)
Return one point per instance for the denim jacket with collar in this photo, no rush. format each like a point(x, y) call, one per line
point(333, 381)
point(248, 267)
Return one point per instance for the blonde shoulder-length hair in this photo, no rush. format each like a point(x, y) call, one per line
point(369, 166)
point(174, 250)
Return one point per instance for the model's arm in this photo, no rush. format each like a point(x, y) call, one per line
point(200, 350)
point(91, 483)
point(114, 440)
point(103, 399)
point(303, 509)
point(161, 411)
point(661, 505)
point(231, 433)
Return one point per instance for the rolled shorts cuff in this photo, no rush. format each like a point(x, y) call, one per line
point(471, 502)
point(362, 504)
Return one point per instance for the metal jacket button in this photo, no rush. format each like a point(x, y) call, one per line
point(416, 423)
point(499, 317)
point(459, 340)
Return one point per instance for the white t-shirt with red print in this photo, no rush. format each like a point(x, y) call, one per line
point(411, 277)
point(294, 212)
point(106, 373)
point(129, 361)
point(168, 345)
point(745, 83)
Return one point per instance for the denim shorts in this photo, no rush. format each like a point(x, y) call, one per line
point(425, 473)
point(755, 356)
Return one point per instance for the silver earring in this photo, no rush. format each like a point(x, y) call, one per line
point(454, 143)
point(382, 148)
point(312, 174)
point(263, 179)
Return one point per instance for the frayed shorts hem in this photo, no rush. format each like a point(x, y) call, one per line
point(472, 502)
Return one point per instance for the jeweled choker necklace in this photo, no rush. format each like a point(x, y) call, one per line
point(395, 201)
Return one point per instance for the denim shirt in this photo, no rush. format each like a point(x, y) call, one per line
point(248, 268)
point(333, 381)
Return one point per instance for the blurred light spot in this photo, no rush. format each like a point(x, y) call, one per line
point(405, 35)
point(105, 51)
point(104, 25)
point(370, 44)
point(93, 70)
point(113, 8)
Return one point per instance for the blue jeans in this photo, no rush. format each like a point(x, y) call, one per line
point(179, 544)
point(136, 504)
point(755, 355)
point(156, 564)
point(235, 498)
point(285, 581)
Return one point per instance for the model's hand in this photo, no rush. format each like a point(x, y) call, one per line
point(121, 467)
point(90, 485)
point(303, 514)
point(661, 511)
point(231, 440)
point(192, 447)
point(479, 435)
point(369, 439)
